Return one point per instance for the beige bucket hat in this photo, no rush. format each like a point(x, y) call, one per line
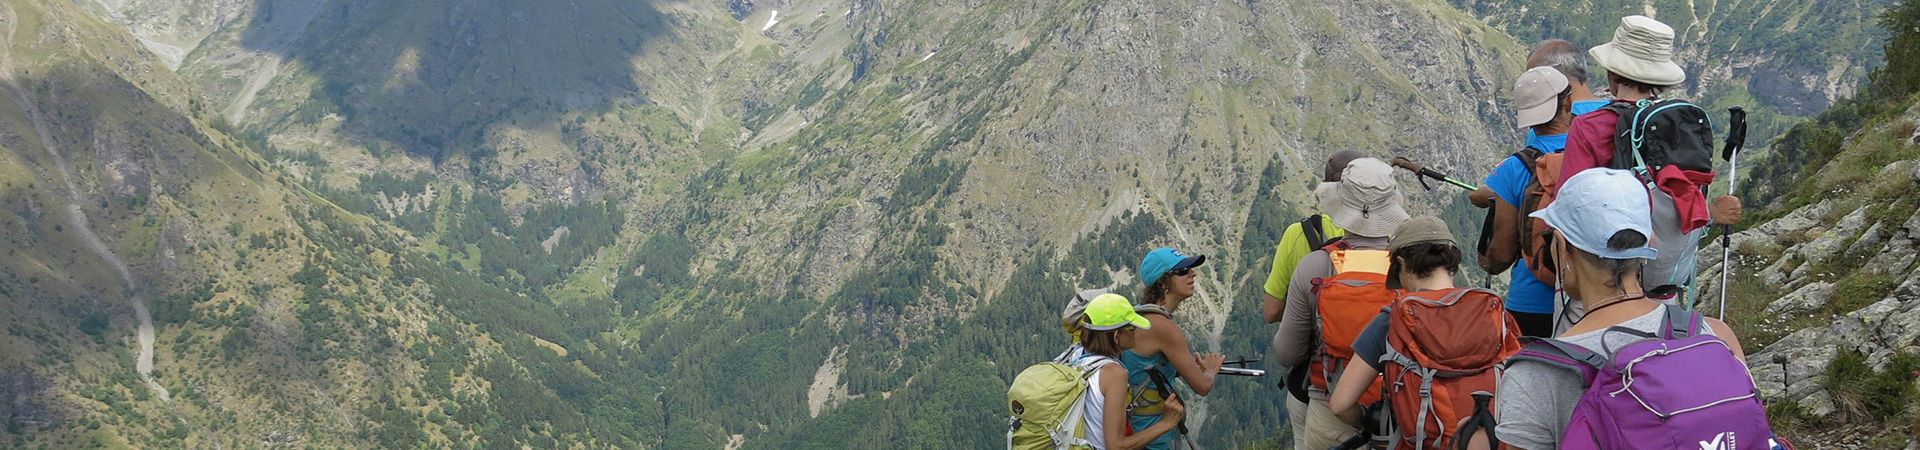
point(1642, 50)
point(1366, 201)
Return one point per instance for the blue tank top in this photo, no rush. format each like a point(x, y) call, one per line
point(1138, 381)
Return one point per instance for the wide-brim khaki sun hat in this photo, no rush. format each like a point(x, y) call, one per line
point(1642, 50)
point(1366, 201)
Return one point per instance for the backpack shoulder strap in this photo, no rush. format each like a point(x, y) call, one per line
point(1528, 154)
point(1560, 354)
point(1092, 364)
point(1623, 108)
point(1315, 233)
point(1680, 323)
point(1152, 308)
point(1165, 388)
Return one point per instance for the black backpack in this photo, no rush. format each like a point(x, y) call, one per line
point(1653, 134)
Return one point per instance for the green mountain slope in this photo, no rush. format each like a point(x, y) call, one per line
point(277, 317)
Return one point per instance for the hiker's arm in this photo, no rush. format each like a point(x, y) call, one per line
point(1286, 256)
point(1270, 308)
point(1481, 198)
point(1479, 441)
point(1532, 404)
point(1345, 401)
point(1198, 372)
point(1294, 341)
point(1503, 247)
point(1113, 385)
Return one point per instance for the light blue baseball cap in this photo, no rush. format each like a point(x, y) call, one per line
point(1165, 259)
point(1595, 204)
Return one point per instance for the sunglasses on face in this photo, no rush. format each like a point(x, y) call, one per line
point(1181, 272)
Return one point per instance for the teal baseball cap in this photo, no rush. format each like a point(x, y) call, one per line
point(1165, 259)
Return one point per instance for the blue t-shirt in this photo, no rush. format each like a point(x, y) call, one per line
point(1509, 181)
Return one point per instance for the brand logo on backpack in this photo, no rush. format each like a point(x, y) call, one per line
point(1724, 441)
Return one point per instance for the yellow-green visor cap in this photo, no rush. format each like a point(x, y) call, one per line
point(1111, 311)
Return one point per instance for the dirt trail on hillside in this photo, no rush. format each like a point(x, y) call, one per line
point(77, 218)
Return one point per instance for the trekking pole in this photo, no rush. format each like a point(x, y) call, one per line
point(1736, 138)
point(1417, 169)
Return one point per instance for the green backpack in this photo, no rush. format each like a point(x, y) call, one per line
point(1045, 405)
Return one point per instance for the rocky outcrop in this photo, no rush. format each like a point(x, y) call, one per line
point(1794, 368)
point(24, 403)
point(1812, 259)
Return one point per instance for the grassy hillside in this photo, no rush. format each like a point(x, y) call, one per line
point(280, 317)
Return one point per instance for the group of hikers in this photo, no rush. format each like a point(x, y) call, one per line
point(1596, 342)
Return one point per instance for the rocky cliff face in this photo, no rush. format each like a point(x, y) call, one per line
point(1833, 279)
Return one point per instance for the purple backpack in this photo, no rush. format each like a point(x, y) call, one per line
point(1679, 390)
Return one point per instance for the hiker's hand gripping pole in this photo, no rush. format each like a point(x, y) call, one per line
point(1736, 138)
point(1417, 169)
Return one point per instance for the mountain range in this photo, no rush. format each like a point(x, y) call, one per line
point(749, 224)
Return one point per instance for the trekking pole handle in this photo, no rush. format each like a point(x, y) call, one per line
point(1416, 168)
point(1736, 132)
point(1404, 163)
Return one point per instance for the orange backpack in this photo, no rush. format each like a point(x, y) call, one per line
point(1346, 303)
point(1443, 347)
point(1536, 239)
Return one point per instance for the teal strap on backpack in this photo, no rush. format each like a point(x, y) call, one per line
point(1637, 136)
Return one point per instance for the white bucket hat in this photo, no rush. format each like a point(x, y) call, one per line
point(1642, 50)
point(1366, 201)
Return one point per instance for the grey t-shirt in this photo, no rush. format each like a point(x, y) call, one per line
point(1536, 400)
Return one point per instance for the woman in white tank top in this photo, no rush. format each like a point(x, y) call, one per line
point(1108, 329)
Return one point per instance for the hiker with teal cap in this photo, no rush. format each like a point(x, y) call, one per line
point(1162, 354)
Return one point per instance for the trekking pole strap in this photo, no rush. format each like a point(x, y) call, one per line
point(1165, 388)
point(1481, 420)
